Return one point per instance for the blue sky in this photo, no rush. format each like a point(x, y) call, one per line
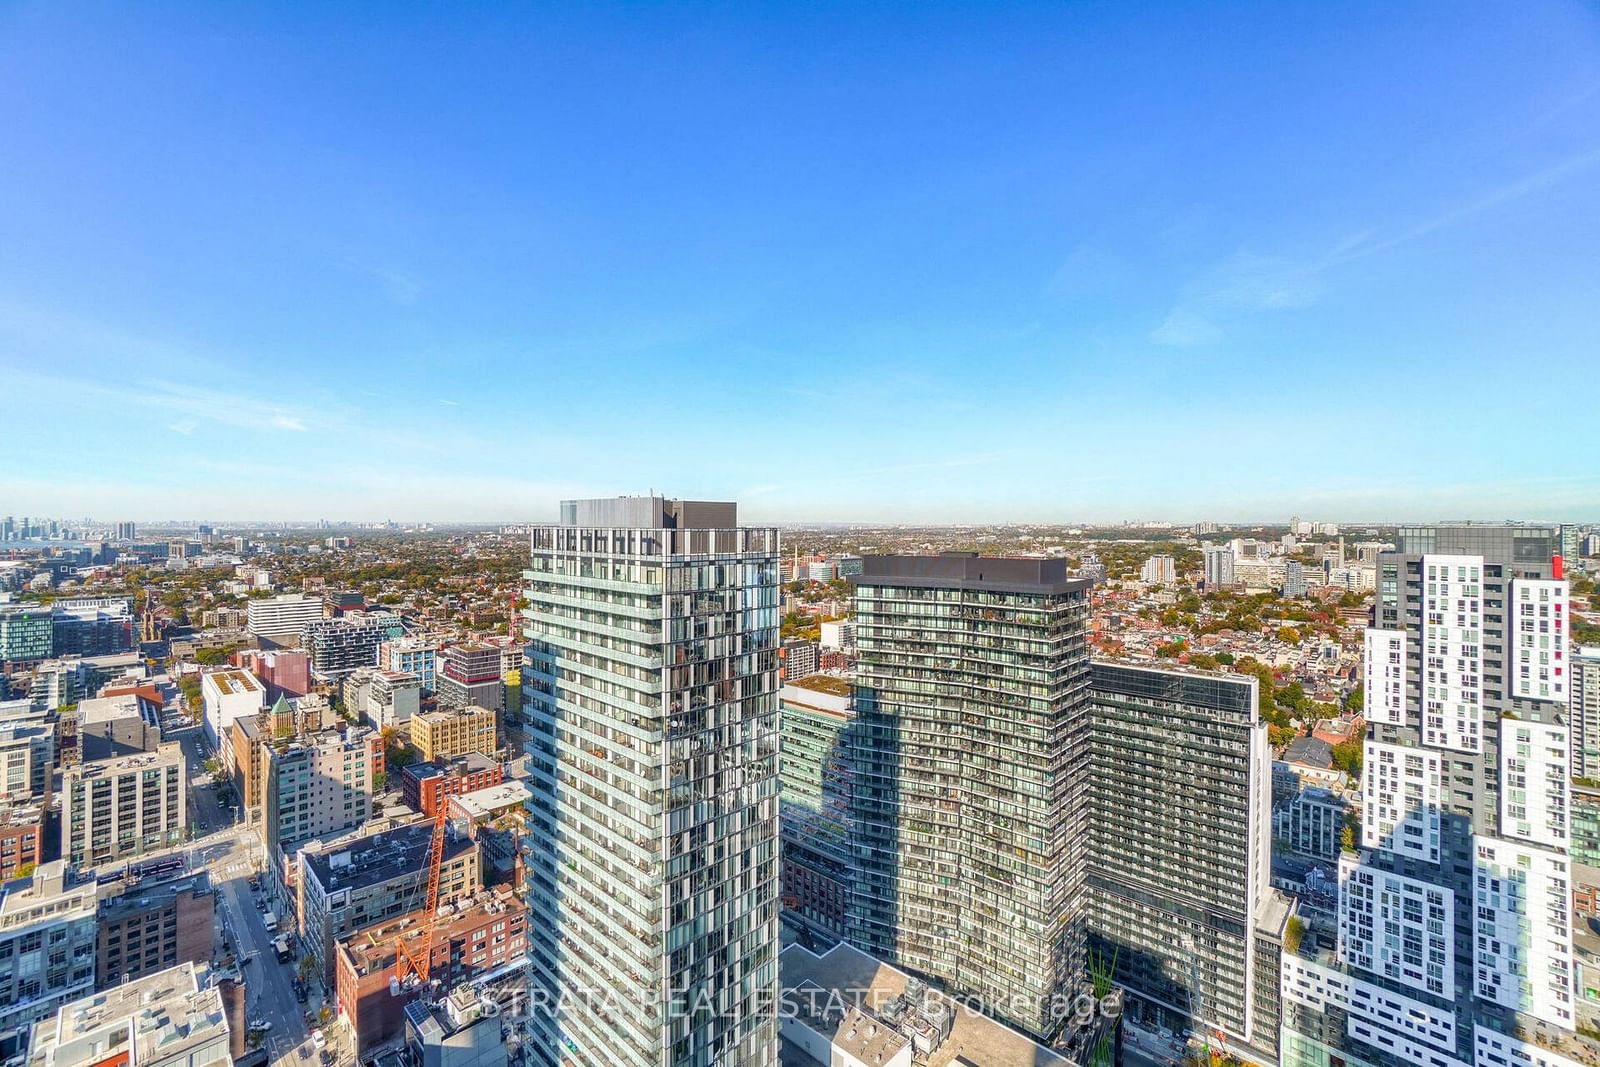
point(923, 262)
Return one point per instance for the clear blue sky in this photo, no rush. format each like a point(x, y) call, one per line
point(840, 262)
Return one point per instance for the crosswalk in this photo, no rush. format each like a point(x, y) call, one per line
point(237, 867)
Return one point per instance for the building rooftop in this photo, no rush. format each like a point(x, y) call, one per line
point(1309, 752)
point(484, 803)
point(960, 570)
point(868, 987)
point(464, 764)
point(235, 681)
point(141, 894)
point(373, 949)
point(45, 896)
point(446, 714)
point(107, 709)
point(379, 857)
point(168, 755)
point(154, 1017)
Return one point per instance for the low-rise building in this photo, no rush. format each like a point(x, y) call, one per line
point(374, 879)
point(167, 1019)
point(425, 785)
point(153, 924)
point(21, 839)
point(47, 944)
point(474, 937)
point(124, 806)
point(454, 732)
point(486, 805)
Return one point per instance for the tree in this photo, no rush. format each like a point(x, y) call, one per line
point(1347, 757)
point(1355, 701)
point(1293, 933)
point(380, 781)
point(1225, 658)
point(1289, 635)
point(1204, 661)
point(1170, 650)
point(1279, 736)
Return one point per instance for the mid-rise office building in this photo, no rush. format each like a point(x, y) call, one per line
point(152, 924)
point(281, 618)
point(374, 879)
point(477, 938)
point(124, 806)
point(27, 635)
point(1219, 567)
point(96, 626)
point(470, 676)
point(425, 787)
point(1455, 936)
point(454, 732)
point(653, 716)
point(393, 699)
point(971, 702)
point(172, 1018)
point(1179, 840)
point(227, 696)
point(285, 672)
point(818, 770)
point(47, 944)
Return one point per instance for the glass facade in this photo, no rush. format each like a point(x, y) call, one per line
point(651, 692)
point(969, 777)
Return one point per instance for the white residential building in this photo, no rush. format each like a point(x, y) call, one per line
point(229, 695)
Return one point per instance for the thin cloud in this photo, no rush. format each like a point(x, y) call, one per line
point(1243, 282)
point(1527, 185)
point(185, 427)
point(449, 403)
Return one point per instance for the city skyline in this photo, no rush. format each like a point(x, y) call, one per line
point(906, 266)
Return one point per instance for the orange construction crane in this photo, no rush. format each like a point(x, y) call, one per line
point(405, 962)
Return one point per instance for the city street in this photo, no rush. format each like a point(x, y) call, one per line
point(232, 853)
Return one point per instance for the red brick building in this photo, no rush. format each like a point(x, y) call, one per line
point(21, 839)
point(479, 936)
point(426, 785)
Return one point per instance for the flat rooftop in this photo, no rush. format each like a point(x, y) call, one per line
point(958, 570)
point(373, 949)
point(165, 1013)
point(143, 894)
point(45, 896)
point(381, 857)
point(238, 680)
point(858, 980)
point(107, 709)
point(483, 803)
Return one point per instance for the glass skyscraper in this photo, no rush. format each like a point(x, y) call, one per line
point(969, 785)
point(651, 692)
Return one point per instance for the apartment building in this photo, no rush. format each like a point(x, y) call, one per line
point(246, 746)
point(1218, 566)
point(818, 773)
point(800, 659)
point(124, 806)
point(1159, 570)
point(280, 619)
point(450, 732)
point(153, 924)
point(413, 654)
point(171, 1018)
point(472, 938)
point(374, 879)
point(383, 698)
point(316, 784)
point(1584, 700)
point(1455, 935)
point(47, 944)
point(971, 703)
point(651, 707)
point(471, 676)
point(424, 786)
point(1179, 847)
point(27, 751)
point(339, 646)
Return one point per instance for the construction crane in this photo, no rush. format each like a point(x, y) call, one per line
point(406, 962)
